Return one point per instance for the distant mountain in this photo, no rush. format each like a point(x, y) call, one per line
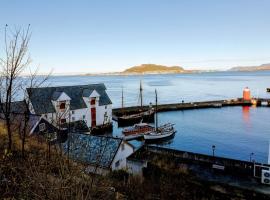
point(262, 67)
point(154, 69)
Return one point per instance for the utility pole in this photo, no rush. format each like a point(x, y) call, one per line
point(213, 149)
point(141, 95)
point(156, 110)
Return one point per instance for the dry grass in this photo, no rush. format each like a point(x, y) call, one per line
point(40, 176)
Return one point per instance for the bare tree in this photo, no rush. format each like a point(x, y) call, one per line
point(13, 63)
point(32, 81)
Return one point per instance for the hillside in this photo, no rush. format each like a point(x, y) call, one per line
point(262, 67)
point(154, 69)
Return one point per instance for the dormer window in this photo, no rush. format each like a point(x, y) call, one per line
point(62, 105)
point(93, 101)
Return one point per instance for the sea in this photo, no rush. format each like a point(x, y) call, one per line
point(237, 132)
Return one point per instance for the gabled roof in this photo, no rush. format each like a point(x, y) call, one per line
point(49, 128)
point(56, 95)
point(95, 150)
point(41, 98)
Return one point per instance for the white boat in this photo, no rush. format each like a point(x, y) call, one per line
point(160, 133)
point(133, 137)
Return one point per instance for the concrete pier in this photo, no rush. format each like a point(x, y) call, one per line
point(192, 105)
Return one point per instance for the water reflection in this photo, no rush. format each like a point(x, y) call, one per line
point(246, 115)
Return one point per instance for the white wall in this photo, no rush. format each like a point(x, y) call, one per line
point(79, 113)
point(136, 168)
point(123, 152)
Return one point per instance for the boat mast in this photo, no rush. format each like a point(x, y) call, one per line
point(156, 124)
point(122, 97)
point(141, 96)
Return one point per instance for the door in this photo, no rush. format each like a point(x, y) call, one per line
point(93, 117)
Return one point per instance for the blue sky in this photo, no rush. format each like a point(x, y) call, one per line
point(111, 35)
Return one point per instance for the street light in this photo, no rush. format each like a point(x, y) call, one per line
point(250, 156)
point(213, 149)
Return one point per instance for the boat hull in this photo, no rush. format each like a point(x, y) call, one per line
point(133, 137)
point(154, 138)
point(147, 118)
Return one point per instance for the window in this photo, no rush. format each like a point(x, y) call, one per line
point(46, 116)
point(73, 112)
point(93, 101)
point(117, 163)
point(105, 107)
point(63, 121)
point(42, 127)
point(83, 116)
point(62, 105)
point(73, 119)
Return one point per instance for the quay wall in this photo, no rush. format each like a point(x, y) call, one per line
point(190, 105)
point(147, 153)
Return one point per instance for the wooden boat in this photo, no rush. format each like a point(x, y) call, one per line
point(137, 131)
point(163, 132)
point(141, 115)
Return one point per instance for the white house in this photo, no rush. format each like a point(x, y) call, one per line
point(101, 154)
point(67, 104)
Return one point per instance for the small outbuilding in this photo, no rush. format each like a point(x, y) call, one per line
point(101, 154)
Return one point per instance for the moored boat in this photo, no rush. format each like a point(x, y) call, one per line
point(145, 116)
point(163, 132)
point(141, 115)
point(137, 131)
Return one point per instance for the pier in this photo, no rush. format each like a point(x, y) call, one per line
point(192, 105)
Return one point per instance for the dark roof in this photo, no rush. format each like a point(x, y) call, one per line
point(49, 128)
point(41, 97)
point(16, 107)
point(56, 95)
point(95, 150)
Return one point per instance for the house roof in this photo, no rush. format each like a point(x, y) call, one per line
point(95, 150)
point(49, 128)
point(41, 98)
point(16, 107)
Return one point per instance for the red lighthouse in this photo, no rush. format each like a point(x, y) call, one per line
point(246, 94)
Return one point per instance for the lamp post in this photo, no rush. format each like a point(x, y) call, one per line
point(213, 149)
point(250, 156)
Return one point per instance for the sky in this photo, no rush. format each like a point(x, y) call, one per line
point(89, 36)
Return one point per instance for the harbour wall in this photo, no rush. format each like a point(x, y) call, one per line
point(191, 105)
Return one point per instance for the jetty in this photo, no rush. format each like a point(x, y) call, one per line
point(192, 105)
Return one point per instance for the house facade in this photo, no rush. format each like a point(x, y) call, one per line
point(68, 104)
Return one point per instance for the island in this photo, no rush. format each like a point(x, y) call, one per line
point(263, 67)
point(155, 69)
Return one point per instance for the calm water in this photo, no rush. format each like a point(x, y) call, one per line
point(235, 131)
